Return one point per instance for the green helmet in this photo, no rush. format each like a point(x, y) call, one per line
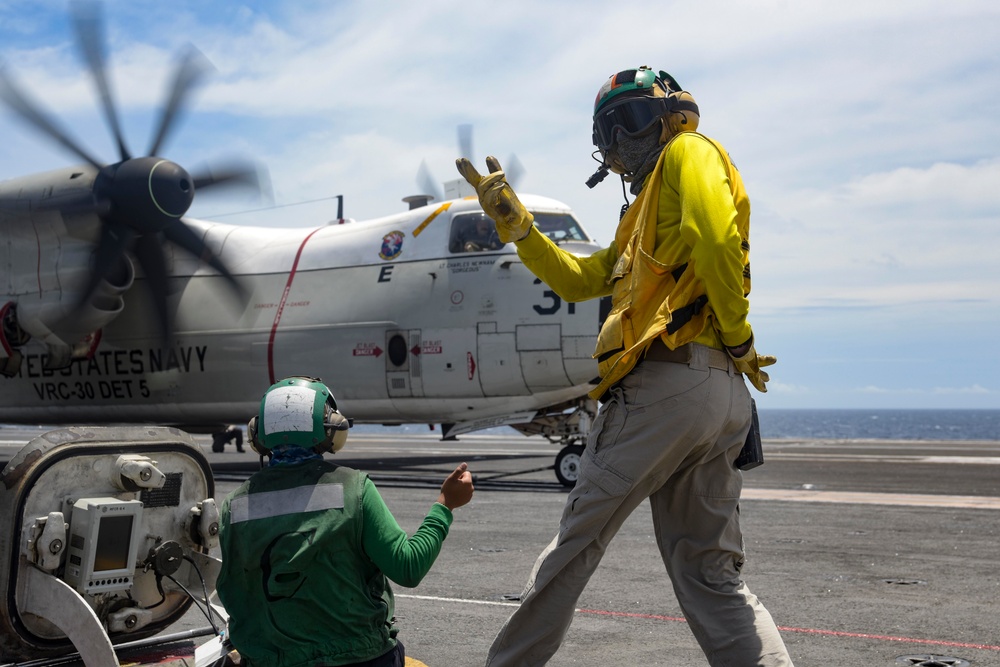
point(298, 411)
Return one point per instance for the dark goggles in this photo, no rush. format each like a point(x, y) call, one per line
point(634, 115)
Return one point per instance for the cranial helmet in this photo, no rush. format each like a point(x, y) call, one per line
point(298, 411)
point(633, 101)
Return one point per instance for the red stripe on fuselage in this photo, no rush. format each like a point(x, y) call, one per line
point(281, 305)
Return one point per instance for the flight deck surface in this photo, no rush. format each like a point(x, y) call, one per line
point(865, 552)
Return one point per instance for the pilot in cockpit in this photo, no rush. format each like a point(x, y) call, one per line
point(475, 233)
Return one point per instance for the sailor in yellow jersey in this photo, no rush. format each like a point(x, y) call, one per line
point(672, 357)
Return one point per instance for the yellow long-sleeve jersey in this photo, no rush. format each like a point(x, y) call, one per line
point(678, 267)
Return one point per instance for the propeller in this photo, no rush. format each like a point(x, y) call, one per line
point(465, 140)
point(513, 169)
point(427, 183)
point(140, 201)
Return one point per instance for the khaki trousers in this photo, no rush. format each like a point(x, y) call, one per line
point(668, 432)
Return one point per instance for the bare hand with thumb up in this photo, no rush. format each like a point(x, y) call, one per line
point(457, 489)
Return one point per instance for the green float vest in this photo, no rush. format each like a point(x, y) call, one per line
point(295, 580)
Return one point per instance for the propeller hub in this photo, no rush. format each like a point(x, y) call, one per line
point(147, 193)
point(171, 188)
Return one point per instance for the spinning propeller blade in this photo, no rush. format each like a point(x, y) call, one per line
point(514, 170)
point(19, 103)
point(140, 201)
point(150, 255)
point(427, 183)
point(233, 174)
point(90, 33)
point(465, 141)
point(192, 66)
point(182, 236)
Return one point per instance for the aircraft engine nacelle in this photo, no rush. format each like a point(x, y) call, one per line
point(57, 320)
point(101, 530)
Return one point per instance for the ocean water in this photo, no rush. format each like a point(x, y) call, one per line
point(811, 424)
point(830, 424)
point(881, 424)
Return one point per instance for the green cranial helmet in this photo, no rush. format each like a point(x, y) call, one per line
point(300, 411)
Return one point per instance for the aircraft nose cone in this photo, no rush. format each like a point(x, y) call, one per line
point(171, 188)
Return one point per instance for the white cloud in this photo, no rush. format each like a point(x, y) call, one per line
point(974, 389)
point(865, 132)
point(933, 391)
point(942, 189)
point(777, 387)
point(908, 236)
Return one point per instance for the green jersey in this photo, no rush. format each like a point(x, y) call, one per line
point(306, 553)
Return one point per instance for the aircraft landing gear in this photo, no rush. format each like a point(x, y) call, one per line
point(567, 465)
point(566, 424)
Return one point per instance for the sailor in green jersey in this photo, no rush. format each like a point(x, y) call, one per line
point(308, 546)
point(672, 355)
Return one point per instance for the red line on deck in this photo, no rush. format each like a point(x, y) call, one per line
point(809, 631)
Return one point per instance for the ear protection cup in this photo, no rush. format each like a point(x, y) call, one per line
point(254, 441)
point(683, 118)
point(337, 426)
point(336, 430)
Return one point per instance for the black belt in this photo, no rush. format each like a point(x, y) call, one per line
point(658, 351)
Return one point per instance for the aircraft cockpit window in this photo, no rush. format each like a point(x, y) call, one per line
point(473, 232)
point(476, 232)
point(560, 227)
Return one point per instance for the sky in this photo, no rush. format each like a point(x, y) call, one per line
point(866, 133)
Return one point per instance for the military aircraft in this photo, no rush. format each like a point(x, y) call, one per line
point(116, 308)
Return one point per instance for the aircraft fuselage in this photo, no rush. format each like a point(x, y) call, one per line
point(402, 326)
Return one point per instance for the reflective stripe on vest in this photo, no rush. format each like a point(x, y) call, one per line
point(288, 501)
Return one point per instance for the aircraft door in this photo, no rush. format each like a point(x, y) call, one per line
point(499, 371)
point(540, 349)
point(449, 362)
point(402, 363)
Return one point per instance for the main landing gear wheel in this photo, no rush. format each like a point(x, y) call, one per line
point(567, 465)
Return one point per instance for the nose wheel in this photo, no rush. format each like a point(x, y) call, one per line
point(567, 465)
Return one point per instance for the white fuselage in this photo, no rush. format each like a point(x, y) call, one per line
point(401, 328)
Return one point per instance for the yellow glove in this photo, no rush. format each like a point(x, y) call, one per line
point(749, 363)
point(498, 199)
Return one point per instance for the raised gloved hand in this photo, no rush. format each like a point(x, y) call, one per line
point(750, 363)
point(498, 199)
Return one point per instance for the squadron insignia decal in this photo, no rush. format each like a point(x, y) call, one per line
point(392, 245)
